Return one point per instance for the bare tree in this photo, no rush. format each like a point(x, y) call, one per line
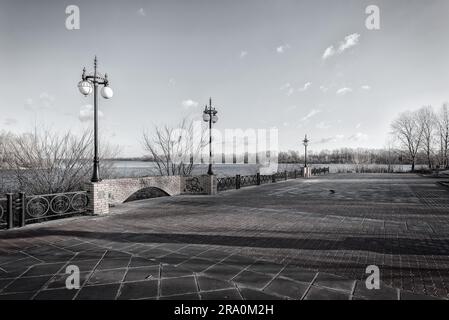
point(45, 162)
point(406, 128)
point(428, 123)
point(443, 133)
point(173, 149)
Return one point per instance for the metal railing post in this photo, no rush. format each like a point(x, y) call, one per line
point(286, 175)
point(22, 200)
point(258, 178)
point(237, 181)
point(10, 210)
point(273, 178)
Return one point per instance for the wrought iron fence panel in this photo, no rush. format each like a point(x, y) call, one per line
point(225, 183)
point(248, 181)
point(3, 213)
point(265, 179)
point(39, 207)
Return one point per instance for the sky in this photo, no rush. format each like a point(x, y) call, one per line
point(304, 67)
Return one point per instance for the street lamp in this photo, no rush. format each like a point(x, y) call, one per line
point(210, 115)
point(305, 142)
point(88, 84)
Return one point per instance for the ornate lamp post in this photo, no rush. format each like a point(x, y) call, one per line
point(305, 142)
point(210, 115)
point(88, 84)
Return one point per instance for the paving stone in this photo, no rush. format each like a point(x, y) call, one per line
point(266, 267)
point(107, 276)
point(384, 293)
point(113, 263)
point(298, 274)
point(136, 290)
point(181, 297)
point(175, 286)
point(59, 280)
point(174, 259)
point(317, 293)
point(17, 296)
point(252, 279)
point(405, 295)
point(169, 271)
point(30, 284)
point(84, 265)
point(334, 282)
point(287, 288)
point(209, 284)
point(56, 294)
point(230, 294)
point(100, 292)
point(142, 273)
point(141, 262)
point(197, 265)
point(44, 269)
point(222, 271)
point(250, 294)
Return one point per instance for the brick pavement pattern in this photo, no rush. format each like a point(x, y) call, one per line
point(299, 239)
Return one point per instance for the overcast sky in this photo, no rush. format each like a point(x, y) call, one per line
point(301, 66)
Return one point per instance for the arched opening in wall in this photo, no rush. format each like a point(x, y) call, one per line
point(147, 193)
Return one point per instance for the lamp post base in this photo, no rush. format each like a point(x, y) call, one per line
point(209, 171)
point(96, 173)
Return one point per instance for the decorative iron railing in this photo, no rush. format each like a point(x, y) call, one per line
point(248, 181)
point(226, 183)
point(21, 209)
point(3, 213)
point(237, 182)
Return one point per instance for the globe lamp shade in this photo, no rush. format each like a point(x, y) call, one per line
point(85, 87)
point(107, 93)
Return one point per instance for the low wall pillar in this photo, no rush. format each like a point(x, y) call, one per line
point(307, 172)
point(98, 193)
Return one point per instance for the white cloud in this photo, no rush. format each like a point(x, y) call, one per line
point(343, 91)
point(87, 113)
point(306, 86)
point(323, 125)
point(243, 54)
point(323, 88)
point(282, 48)
point(358, 137)
point(189, 103)
point(348, 42)
point(288, 88)
point(45, 101)
point(329, 52)
point(311, 114)
point(141, 12)
point(331, 139)
point(366, 87)
point(172, 81)
point(358, 125)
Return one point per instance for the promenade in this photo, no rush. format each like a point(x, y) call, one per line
point(298, 239)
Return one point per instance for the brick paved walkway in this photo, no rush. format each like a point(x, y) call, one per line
point(290, 240)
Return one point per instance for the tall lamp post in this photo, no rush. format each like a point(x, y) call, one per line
point(88, 84)
point(210, 115)
point(305, 142)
